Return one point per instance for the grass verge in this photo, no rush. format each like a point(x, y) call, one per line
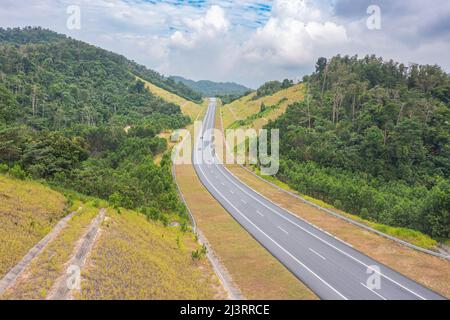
point(428, 270)
point(28, 212)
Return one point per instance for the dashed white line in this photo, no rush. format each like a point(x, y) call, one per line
point(266, 235)
point(283, 230)
point(309, 232)
point(243, 201)
point(232, 191)
point(259, 213)
point(373, 291)
point(315, 252)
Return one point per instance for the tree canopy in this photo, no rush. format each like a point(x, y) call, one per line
point(373, 138)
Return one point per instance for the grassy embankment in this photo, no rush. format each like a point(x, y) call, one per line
point(28, 212)
point(248, 110)
point(188, 108)
point(133, 258)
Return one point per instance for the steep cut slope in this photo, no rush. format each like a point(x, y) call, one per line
point(28, 212)
point(247, 112)
point(64, 105)
point(153, 261)
point(188, 108)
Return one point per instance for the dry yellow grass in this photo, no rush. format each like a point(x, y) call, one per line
point(431, 271)
point(246, 107)
point(188, 108)
point(28, 211)
point(139, 259)
point(253, 269)
point(45, 269)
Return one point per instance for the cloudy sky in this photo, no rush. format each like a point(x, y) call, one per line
point(247, 41)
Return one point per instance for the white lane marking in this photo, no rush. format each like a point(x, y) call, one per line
point(324, 241)
point(283, 230)
point(232, 192)
point(373, 291)
point(276, 243)
point(259, 213)
point(314, 251)
point(315, 236)
point(223, 184)
point(243, 201)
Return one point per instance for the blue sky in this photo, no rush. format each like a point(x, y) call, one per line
point(247, 41)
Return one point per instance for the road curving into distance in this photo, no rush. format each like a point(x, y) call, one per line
point(329, 267)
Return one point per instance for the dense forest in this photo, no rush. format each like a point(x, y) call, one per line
point(75, 115)
point(213, 89)
point(271, 87)
point(373, 138)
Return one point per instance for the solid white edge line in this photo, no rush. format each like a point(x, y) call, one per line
point(276, 243)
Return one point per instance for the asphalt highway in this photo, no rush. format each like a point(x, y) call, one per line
point(330, 267)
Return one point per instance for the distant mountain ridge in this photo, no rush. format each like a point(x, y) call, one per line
point(210, 88)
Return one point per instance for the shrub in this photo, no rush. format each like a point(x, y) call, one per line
point(17, 172)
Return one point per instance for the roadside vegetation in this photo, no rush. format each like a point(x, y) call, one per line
point(373, 139)
point(188, 108)
point(45, 269)
point(76, 116)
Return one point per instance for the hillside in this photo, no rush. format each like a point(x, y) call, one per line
point(246, 112)
point(64, 105)
point(373, 139)
point(212, 89)
point(30, 37)
point(132, 257)
point(188, 108)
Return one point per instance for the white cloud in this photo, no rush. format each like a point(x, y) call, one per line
point(205, 28)
point(294, 35)
point(248, 41)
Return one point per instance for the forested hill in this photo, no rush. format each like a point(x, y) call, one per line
point(64, 106)
point(212, 89)
point(37, 57)
point(373, 138)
